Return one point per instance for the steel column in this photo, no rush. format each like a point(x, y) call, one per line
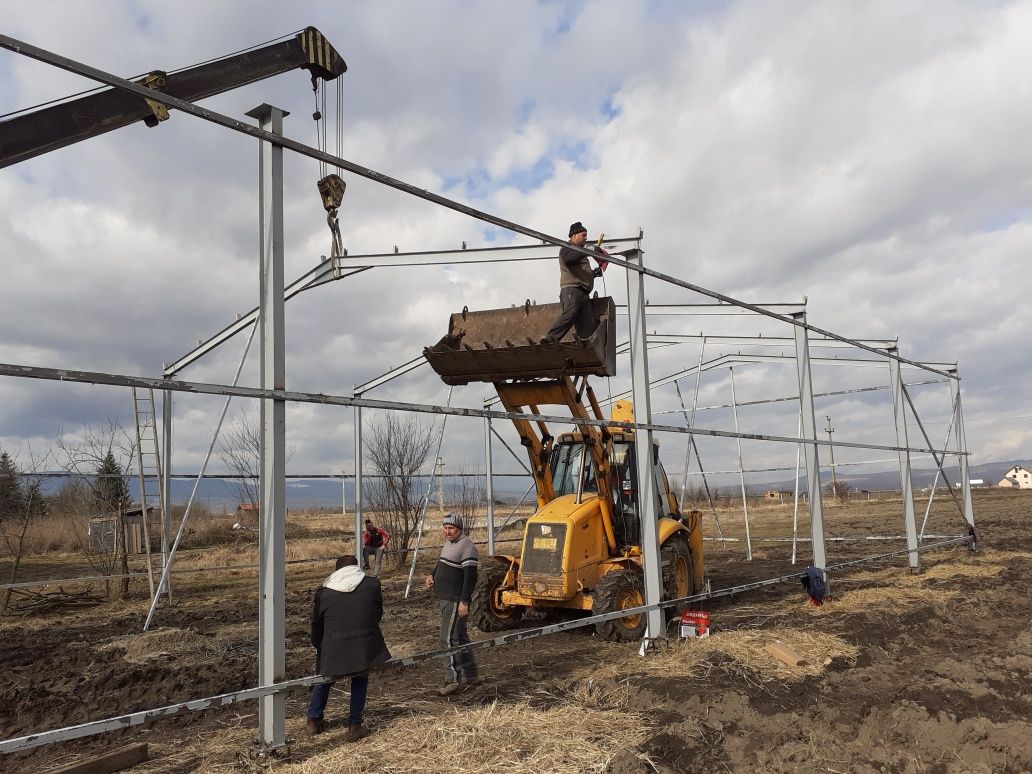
point(809, 433)
point(271, 580)
point(489, 487)
point(647, 493)
point(166, 486)
point(795, 493)
point(741, 469)
point(969, 511)
point(358, 480)
point(906, 484)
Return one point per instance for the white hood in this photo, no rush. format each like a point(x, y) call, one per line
point(345, 579)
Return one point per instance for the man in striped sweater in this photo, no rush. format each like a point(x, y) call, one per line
point(453, 580)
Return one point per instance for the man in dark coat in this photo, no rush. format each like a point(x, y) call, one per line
point(347, 639)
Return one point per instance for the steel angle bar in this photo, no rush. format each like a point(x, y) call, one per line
point(508, 448)
point(764, 341)
point(764, 401)
point(938, 461)
point(65, 63)
point(205, 388)
point(855, 539)
point(506, 253)
point(394, 373)
point(780, 468)
point(145, 716)
point(728, 360)
point(137, 718)
point(712, 309)
point(320, 275)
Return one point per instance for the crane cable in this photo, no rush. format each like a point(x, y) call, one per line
point(330, 185)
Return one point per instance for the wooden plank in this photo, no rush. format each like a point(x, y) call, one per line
point(785, 654)
point(116, 760)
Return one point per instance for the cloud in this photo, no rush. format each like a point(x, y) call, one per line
point(872, 158)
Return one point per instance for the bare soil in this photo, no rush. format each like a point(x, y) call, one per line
point(926, 672)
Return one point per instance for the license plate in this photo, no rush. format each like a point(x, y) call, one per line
point(544, 543)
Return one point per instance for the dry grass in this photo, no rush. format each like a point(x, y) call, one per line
point(894, 600)
point(160, 643)
point(745, 648)
point(514, 738)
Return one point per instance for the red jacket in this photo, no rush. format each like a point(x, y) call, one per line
point(384, 534)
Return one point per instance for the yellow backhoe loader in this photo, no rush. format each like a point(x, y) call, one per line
point(582, 548)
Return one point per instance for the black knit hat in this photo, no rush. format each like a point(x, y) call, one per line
point(577, 227)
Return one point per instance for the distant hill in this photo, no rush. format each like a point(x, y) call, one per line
point(990, 472)
point(221, 495)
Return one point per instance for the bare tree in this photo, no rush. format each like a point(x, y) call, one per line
point(398, 448)
point(239, 449)
point(839, 490)
point(96, 456)
point(468, 495)
point(22, 503)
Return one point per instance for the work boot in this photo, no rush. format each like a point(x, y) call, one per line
point(448, 689)
point(355, 733)
point(315, 726)
point(547, 341)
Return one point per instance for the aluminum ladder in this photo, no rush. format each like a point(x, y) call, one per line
point(148, 468)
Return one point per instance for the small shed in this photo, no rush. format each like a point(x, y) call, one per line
point(102, 529)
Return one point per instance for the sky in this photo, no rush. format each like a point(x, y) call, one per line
point(870, 158)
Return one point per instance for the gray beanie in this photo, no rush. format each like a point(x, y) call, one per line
point(451, 520)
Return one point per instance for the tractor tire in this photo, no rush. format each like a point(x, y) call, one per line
point(619, 590)
point(678, 569)
point(484, 611)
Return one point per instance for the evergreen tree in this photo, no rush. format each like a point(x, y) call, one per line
point(112, 490)
point(12, 493)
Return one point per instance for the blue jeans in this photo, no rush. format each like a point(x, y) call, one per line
point(321, 694)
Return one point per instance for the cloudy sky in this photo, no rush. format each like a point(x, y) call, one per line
point(870, 157)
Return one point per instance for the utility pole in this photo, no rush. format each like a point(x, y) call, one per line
point(440, 484)
point(831, 456)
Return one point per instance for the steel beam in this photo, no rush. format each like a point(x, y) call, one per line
point(271, 539)
point(323, 399)
point(969, 511)
point(647, 492)
point(906, 483)
point(809, 435)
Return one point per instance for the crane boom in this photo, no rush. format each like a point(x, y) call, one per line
point(41, 131)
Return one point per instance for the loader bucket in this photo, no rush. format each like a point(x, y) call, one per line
point(498, 344)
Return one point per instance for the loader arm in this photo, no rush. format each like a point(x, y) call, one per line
point(41, 131)
point(516, 396)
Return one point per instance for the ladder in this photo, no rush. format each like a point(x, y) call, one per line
point(148, 468)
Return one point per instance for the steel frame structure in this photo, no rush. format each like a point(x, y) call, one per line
point(273, 396)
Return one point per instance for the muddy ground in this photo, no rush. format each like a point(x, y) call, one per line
point(928, 672)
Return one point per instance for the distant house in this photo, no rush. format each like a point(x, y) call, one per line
point(247, 508)
point(1017, 478)
point(778, 495)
